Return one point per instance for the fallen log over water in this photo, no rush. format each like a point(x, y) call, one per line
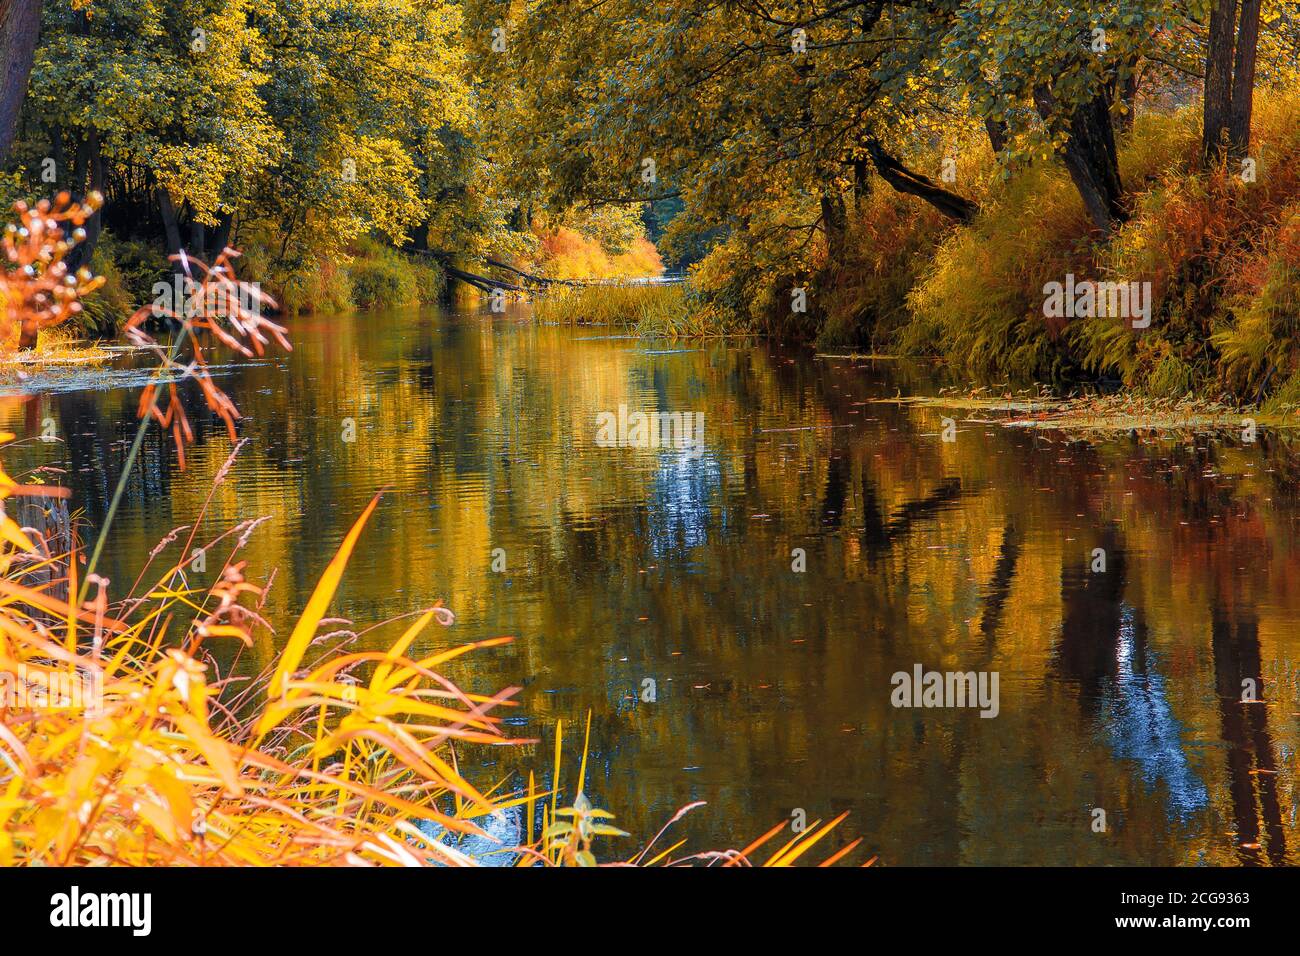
point(481, 282)
point(485, 283)
point(488, 284)
point(540, 280)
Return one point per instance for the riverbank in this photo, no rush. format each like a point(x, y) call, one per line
point(57, 348)
point(1214, 256)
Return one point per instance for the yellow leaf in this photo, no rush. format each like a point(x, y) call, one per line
point(305, 629)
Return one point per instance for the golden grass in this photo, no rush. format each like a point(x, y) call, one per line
point(660, 310)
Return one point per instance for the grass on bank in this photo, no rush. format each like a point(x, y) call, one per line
point(651, 310)
point(1217, 249)
point(56, 348)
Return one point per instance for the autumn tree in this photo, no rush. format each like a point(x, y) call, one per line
point(309, 123)
point(154, 103)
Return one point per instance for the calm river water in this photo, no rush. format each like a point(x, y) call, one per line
point(661, 589)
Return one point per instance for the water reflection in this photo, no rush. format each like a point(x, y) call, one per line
point(1141, 725)
point(1120, 688)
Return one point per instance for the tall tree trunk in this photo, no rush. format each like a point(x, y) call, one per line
point(55, 134)
point(1243, 79)
point(198, 240)
point(221, 237)
point(997, 131)
point(861, 183)
point(20, 29)
point(28, 332)
point(80, 161)
point(1128, 90)
point(89, 165)
point(834, 223)
point(95, 224)
point(171, 225)
point(1218, 76)
point(1090, 156)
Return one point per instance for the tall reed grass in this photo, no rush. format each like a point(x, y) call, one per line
point(651, 310)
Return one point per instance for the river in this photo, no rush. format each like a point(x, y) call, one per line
point(733, 613)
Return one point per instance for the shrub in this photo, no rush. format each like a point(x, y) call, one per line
point(381, 278)
point(1196, 236)
point(567, 254)
point(138, 266)
point(1261, 345)
point(887, 245)
point(980, 303)
point(303, 280)
point(104, 310)
point(733, 292)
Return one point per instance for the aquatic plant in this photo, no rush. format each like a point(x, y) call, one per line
point(559, 835)
point(154, 758)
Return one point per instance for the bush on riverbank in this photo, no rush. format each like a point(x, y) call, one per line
point(566, 253)
point(368, 274)
point(381, 278)
point(887, 246)
point(1261, 347)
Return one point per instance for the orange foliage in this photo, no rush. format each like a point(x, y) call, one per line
point(568, 254)
point(37, 290)
point(218, 308)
